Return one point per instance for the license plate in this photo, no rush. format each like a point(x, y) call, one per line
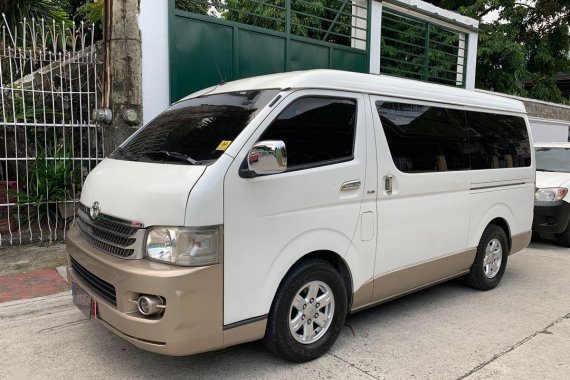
point(83, 302)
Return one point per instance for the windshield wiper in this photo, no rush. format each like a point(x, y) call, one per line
point(126, 153)
point(175, 155)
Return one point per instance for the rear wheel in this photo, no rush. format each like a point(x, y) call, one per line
point(491, 259)
point(308, 312)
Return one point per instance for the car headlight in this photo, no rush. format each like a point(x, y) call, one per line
point(184, 246)
point(550, 194)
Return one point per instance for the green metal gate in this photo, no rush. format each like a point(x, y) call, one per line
point(232, 39)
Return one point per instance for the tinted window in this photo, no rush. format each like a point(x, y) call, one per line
point(425, 138)
point(315, 130)
point(196, 130)
point(553, 159)
point(497, 141)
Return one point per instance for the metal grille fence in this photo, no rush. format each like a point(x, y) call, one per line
point(421, 50)
point(341, 22)
point(49, 85)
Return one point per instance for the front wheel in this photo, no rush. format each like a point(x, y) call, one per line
point(308, 312)
point(491, 259)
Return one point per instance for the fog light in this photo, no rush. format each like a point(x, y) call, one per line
point(150, 305)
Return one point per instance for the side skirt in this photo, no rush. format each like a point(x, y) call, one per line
point(407, 280)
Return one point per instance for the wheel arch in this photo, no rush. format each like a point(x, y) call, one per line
point(500, 215)
point(504, 225)
point(332, 258)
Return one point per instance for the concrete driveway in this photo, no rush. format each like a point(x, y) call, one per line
point(519, 330)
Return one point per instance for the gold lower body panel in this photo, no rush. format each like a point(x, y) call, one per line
point(407, 280)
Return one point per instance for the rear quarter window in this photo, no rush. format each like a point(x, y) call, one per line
point(498, 141)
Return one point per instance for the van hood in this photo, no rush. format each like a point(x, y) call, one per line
point(552, 179)
point(151, 193)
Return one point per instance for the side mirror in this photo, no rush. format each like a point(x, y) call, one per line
point(267, 157)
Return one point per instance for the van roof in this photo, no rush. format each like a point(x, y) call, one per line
point(371, 84)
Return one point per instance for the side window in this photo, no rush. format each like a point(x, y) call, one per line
point(424, 138)
point(315, 130)
point(498, 141)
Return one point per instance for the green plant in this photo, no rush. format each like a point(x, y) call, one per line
point(52, 179)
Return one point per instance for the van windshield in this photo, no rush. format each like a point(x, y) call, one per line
point(553, 159)
point(196, 131)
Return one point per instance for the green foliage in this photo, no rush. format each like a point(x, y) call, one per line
point(16, 10)
point(201, 7)
point(53, 178)
point(19, 109)
point(525, 40)
point(419, 50)
point(92, 11)
point(58, 10)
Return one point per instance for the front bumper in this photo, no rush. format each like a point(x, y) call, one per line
point(193, 318)
point(551, 218)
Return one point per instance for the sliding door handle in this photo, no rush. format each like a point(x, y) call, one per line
point(388, 184)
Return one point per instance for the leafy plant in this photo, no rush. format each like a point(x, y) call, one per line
point(92, 11)
point(53, 178)
point(16, 10)
point(519, 40)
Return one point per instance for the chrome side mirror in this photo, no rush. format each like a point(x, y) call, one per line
point(267, 157)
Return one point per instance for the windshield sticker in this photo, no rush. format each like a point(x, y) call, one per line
point(224, 145)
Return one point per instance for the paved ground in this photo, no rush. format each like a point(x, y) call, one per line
point(521, 330)
point(29, 258)
point(29, 271)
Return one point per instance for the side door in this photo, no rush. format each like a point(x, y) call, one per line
point(423, 201)
point(271, 221)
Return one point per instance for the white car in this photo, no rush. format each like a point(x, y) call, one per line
point(552, 200)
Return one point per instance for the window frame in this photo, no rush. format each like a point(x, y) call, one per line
point(511, 114)
point(318, 164)
point(374, 98)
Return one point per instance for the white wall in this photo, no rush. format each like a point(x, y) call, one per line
point(544, 130)
point(153, 24)
point(375, 36)
point(471, 64)
point(360, 23)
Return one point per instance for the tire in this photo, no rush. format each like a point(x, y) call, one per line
point(494, 244)
point(564, 238)
point(287, 310)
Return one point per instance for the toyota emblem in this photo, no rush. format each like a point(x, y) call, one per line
point(94, 212)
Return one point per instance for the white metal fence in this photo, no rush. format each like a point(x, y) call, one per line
point(49, 85)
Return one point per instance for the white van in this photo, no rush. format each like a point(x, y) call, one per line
point(552, 199)
point(271, 207)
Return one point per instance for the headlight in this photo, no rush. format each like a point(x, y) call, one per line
point(184, 246)
point(551, 194)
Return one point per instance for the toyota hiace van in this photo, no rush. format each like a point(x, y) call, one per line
point(271, 207)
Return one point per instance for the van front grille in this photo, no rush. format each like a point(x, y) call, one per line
point(111, 235)
point(99, 286)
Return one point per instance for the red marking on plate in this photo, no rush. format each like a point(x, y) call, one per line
point(33, 284)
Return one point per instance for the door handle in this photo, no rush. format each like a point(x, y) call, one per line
point(350, 185)
point(388, 184)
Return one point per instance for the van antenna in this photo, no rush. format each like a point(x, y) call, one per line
point(222, 81)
